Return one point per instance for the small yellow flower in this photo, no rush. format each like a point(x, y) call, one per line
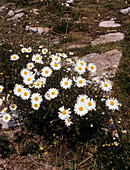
point(41, 148)
point(10, 91)
point(54, 134)
point(19, 53)
point(1, 73)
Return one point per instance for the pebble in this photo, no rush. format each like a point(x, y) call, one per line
point(10, 13)
point(16, 17)
point(111, 37)
point(2, 8)
point(125, 11)
point(108, 24)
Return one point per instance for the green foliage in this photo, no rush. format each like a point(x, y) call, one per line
point(5, 149)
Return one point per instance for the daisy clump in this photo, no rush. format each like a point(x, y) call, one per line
point(56, 90)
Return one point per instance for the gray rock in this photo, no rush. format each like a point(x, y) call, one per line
point(76, 46)
point(125, 11)
point(19, 10)
point(111, 37)
point(106, 63)
point(107, 24)
point(38, 30)
point(35, 11)
point(10, 13)
point(16, 17)
point(2, 8)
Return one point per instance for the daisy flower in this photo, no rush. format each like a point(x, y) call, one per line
point(44, 50)
point(24, 72)
point(51, 56)
point(66, 83)
point(82, 98)
point(14, 57)
point(35, 106)
point(53, 93)
point(47, 96)
point(80, 109)
point(25, 94)
point(68, 59)
point(71, 53)
point(95, 79)
point(1, 88)
point(18, 89)
point(64, 113)
point(30, 65)
point(81, 63)
point(1, 101)
point(24, 50)
point(56, 59)
point(37, 84)
point(13, 107)
point(106, 85)
point(63, 55)
point(80, 69)
point(28, 79)
point(80, 82)
point(37, 58)
point(36, 98)
point(90, 104)
point(43, 81)
point(46, 72)
point(68, 122)
point(6, 118)
point(112, 104)
point(29, 50)
point(91, 67)
point(55, 66)
point(4, 110)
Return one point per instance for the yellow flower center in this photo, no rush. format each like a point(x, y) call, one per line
point(13, 106)
point(0, 88)
point(37, 84)
point(56, 59)
point(80, 81)
point(19, 90)
point(66, 83)
point(62, 54)
point(24, 50)
point(28, 49)
point(55, 65)
point(92, 67)
point(30, 66)
point(52, 93)
point(14, 57)
point(79, 68)
point(105, 84)
point(80, 108)
point(111, 103)
point(28, 79)
point(68, 120)
point(48, 95)
point(89, 104)
point(81, 63)
point(25, 72)
point(25, 93)
point(36, 98)
point(36, 105)
point(6, 117)
point(64, 112)
point(44, 51)
point(82, 100)
point(42, 81)
point(46, 71)
point(37, 58)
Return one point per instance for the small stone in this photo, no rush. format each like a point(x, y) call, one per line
point(76, 46)
point(125, 11)
point(111, 37)
point(10, 13)
point(39, 30)
point(16, 17)
point(35, 11)
point(19, 10)
point(2, 8)
point(107, 24)
point(104, 62)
